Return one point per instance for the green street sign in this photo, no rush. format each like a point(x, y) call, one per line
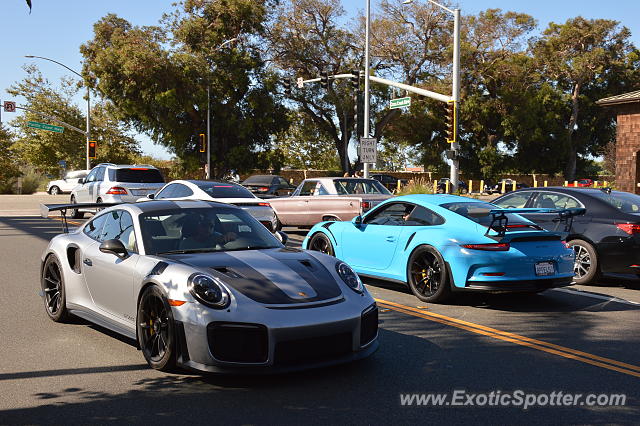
point(400, 102)
point(42, 126)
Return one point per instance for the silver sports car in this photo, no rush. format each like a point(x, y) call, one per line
point(204, 285)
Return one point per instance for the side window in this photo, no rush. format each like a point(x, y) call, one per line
point(390, 215)
point(94, 227)
point(308, 188)
point(555, 201)
point(283, 183)
point(119, 226)
point(100, 174)
point(321, 190)
point(516, 200)
point(181, 191)
point(421, 216)
point(167, 192)
point(92, 176)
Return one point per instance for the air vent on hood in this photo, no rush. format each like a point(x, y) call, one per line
point(226, 271)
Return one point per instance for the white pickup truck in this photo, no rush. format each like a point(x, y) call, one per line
point(319, 199)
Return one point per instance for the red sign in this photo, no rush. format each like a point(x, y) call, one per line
point(9, 106)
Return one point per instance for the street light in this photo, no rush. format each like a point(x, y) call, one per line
point(88, 131)
point(455, 89)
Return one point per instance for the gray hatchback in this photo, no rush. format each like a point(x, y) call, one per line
point(111, 183)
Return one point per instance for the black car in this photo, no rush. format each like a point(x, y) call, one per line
point(606, 239)
point(390, 182)
point(268, 185)
point(463, 188)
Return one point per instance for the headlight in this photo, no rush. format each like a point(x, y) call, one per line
point(209, 291)
point(349, 277)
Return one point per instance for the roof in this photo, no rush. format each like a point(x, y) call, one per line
point(625, 98)
point(160, 205)
point(437, 199)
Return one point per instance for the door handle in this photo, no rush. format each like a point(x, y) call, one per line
point(391, 239)
point(87, 262)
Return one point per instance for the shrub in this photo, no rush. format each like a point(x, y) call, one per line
point(418, 186)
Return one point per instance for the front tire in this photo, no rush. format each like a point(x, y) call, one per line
point(585, 267)
point(320, 242)
point(156, 330)
point(52, 283)
point(54, 190)
point(427, 275)
point(75, 213)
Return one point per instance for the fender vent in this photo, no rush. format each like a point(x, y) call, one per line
point(226, 271)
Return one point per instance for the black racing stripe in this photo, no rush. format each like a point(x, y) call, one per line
point(327, 226)
point(409, 241)
point(311, 270)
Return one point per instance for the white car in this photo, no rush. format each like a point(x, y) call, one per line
point(67, 183)
point(223, 192)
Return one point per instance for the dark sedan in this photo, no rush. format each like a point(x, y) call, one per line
point(268, 185)
point(390, 182)
point(606, 239)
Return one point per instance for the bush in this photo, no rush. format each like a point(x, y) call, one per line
point(418, 186)
point(31, 182)
point(7, 186)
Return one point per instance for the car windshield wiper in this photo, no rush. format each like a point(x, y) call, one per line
point(207, 250)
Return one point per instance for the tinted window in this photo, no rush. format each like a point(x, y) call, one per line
point(100, 174)
point(516, 200)
point(359, 186)
point(136, 175)
point(623, 201)
point(259, 180)
point(182, 191)
point(225, 190)
point(94, 227)
point(283, 183)
point(119, 226)
point(421, 216)
point(392, 215)
point(552, 200)
point(463, 210)
point(92, 175)
point(167, 192)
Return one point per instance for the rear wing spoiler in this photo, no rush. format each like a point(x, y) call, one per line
point(500, 221)
point(45, 209)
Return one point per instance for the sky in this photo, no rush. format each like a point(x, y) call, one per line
point(56, 29)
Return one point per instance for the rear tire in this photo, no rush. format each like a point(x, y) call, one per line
point(586, 264)
point(320, 242)
point(52, 283)
point(427, 275)
point(75, 213)
point(156, 330)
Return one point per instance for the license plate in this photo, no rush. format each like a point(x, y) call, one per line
point(140, 191)
point(545, 268)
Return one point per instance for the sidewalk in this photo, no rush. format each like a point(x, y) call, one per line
point(28, 205)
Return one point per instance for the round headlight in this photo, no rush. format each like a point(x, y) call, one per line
point(349, 277)
point(209, 291)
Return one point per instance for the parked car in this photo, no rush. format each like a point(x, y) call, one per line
point(268, 185)
point(223, 192)
point(582, 183)
point(320, 199)
point(111, 183)
point(390, 182)
point(202, 285)
point(508, 186)
point(606, 239)
point(67, 183)
point(440, 244)
point(442, 186)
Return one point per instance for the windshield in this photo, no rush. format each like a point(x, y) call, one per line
point(225, 190)
point(623, 201)
point(203, 230)
point(258, 180)
point(76, 174)
point(463, 208)
point(359, 186)
point(136, 175)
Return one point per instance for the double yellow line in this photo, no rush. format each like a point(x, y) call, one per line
point(598, 361)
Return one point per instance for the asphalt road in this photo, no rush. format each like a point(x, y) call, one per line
point(580, 340)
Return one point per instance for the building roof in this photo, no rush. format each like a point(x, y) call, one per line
point(625, 98)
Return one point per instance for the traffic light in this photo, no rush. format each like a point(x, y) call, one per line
point(93, 145)
point(355, 80)
point(202, 143)
point(324, 79)
point(287, 86)
point(450, 121)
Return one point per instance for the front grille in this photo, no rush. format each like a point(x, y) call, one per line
point(313, 349)
point(238, 342)
point(368, 325)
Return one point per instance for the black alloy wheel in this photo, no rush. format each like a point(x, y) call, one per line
point(427, 275)
point(156, 330)
point(320, 242)
point(52, 282)
point(75, 213)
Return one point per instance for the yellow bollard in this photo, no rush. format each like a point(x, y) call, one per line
point(504, 183)
point(545, 183)
point(470, 186)
point(514, 185)
point(605, 184)
point(575, 183)
point(398, 185)
point(566, 183)
point(595, 184)
point(482, 186)
point(435, 186)
point(446, 188)
point(535, 183)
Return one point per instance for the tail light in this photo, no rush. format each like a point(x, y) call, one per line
point(629, 228)
point(366, 205)
point(493, 274)
point(117, 190)
point(263, 188)
point(264, 204)
point(488, 247)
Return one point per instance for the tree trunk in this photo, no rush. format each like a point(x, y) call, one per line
point(572, 158)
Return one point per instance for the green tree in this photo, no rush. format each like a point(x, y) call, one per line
point(9, 167)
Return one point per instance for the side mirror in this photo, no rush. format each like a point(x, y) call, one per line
point(283, 237)
point(151, 196)
point(81, 181)
point(114, 247)
point(357, 221)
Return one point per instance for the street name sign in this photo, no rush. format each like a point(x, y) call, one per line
point(400, 102)
point(368, 150)
point(48, 127)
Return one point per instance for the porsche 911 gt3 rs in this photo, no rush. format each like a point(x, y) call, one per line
point(205, 286)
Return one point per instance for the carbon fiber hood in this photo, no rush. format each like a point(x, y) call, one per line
point(270, 276)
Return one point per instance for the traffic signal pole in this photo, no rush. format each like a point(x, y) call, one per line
point(366, 80)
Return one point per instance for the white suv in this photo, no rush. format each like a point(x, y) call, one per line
point(67, 183)
point(110, 183)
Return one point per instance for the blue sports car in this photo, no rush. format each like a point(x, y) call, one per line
point(439, 244)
